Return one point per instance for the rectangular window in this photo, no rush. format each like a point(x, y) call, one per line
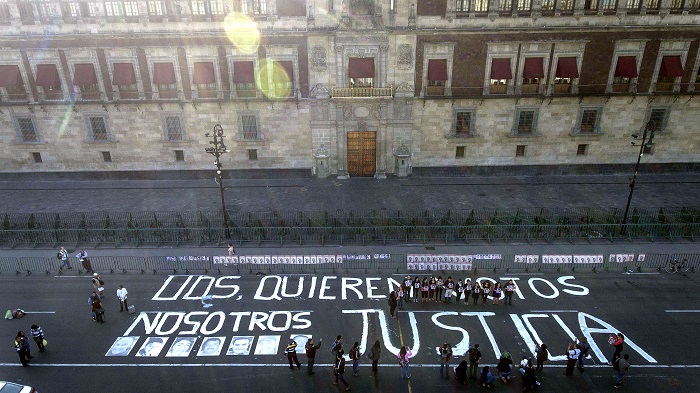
point(463, 123)
point(173, 128)
point(254, 7)
point(198, 7)
point(526, 122)
point(589, 121)
point(505, 5)
point(566, 5)
point(72, 10)
point(113, 9)
point(633, 5)
point(179, 155)
point(658, 117)
point(524, 5)
point(131, 8)
point(609, 5)
point(252, 154)
point(216, 7)
point(27, 132)
point(98, 128)
point(156, 8)
point(582, 150)
point(547, 5)
point(462, 5)
point(106, 156)
point(459, 152)
point(36, 156)
point(249, 126)
point(520, 150)
point(481, 5)
point(653, 4)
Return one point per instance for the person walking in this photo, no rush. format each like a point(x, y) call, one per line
point(445, 357)
point(510, 288)
point(38, 336)
point(374, 354)
point(337, 345)
point(392, 303)
point(583, 346)
point(121, 295)
point(21, 351)
point(404, 354)
point(355, 357)
point(542, 355)
point(63, 256)
point(311, 354)
point(339, 370)
point(474, 359)
point(623, 365)
point(291, 352)
point(618, 342)
point(98, 284)
point(91, 299)
point(571, 358)
point(231, 250)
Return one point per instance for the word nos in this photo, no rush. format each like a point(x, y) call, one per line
point(276, 287)
point(165, 323)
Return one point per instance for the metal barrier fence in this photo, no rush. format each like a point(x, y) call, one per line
point(347, 227)
point(380, 263)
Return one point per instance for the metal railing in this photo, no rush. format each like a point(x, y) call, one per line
point(347, 227)
point(361, 92)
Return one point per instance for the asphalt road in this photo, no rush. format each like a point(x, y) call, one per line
point(658, 313)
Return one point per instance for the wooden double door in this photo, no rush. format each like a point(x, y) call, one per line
point(362, 153)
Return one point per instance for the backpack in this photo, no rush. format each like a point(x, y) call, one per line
point(101, 282)
point(473, 355)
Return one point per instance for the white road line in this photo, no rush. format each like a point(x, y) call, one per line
point(40, 312)
point(641, 273)
point(545, 311)
point(682, 310)
point(660, 366)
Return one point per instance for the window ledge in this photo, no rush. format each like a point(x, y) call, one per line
point(251, 142)
point(30, 143)
point(107, 142)
point(577, 133)
point(463, 136)
point(178, 142)
point(533, 135)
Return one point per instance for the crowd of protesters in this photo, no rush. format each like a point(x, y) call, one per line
point(437, 289)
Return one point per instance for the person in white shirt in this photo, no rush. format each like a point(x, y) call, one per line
point(121, 294)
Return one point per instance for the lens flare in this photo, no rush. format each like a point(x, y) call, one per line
point(273, 80)
point(243, 32)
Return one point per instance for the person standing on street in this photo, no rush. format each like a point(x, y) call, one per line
point(374, 354)
point(445, 356)
point(231, 250)
point(542, 355)
point(97, 309)
point(510, 288)
point(459, 290)
point(404, 354)
point(21, 351)
point(311, 354)
point(337, 345)
point(291, 351)
point(392, 303)
point(25, 344)
point(407, 284)
point(339, 370)
point(583, 346)
point(399, 298)
point(449, 289)
point(617, 341)
point(63, 256)
point(38, 336)
point(121, 295)
point(474, 358)
point(84, 260)
point(355, 357)
point(623, 365)
point(571, 358)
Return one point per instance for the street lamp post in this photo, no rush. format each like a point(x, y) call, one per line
point(649, 130)
point(218, 149)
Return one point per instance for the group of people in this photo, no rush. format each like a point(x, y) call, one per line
point(437, 289)
point(96, 298)
point(22, 344)
point(82, 256)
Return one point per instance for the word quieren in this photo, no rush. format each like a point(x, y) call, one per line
point(278, 287)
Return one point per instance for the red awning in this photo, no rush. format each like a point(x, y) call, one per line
point(500, 69)
point(533, 68)
point(10, 76)
point(84, 75)
point(243, 72)
point(626, 67)
point(361, 67)
point(567, 67)
point(203, 73)
point(124, 74)
point(671, 66)
point(47, 75)
point(288, 68)
point(437, 70)
point(164, 74)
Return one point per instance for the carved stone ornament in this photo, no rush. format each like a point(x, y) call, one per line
point(320, 91)
point(318, 58)
point(402, 151)
point(405, 56)
point(321, 152)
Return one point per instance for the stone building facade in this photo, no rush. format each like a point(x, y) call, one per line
point(346, 87)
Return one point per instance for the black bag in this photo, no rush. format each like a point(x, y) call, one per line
point(59, 256)
point(101, 282)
